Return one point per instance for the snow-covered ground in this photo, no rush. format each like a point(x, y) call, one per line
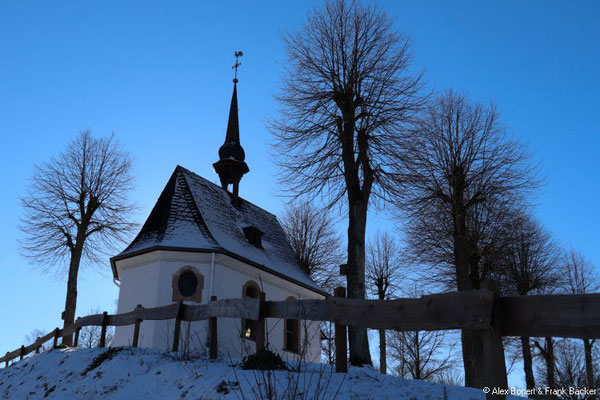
point(148, 374)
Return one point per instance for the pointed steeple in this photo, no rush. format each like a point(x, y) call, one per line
point(232, 147)
point(233, 125)
point(231, 166)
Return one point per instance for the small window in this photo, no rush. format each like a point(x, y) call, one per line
point(291, 333)
point(250, 290)
point(187, 285)
point(254, 236)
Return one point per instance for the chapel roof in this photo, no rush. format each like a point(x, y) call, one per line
point(194, 214)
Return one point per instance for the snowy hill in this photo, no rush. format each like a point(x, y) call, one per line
point(129, 373)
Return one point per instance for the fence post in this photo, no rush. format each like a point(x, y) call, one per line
point(76, 340)
point(493, 350)
point(21, 352)
point(260, 324)
point(177, 330)
point(103, 329)
point(37, 347)
point(56, 335)
point(6, 360)
point(212, 329)
point(136, 328)
point(341, 355)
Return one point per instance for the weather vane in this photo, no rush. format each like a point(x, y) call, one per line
point(237, 64)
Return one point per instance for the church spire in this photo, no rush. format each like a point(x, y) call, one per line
point(231, 166)
point(233, 125)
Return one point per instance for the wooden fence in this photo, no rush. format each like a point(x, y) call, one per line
point(575, 316)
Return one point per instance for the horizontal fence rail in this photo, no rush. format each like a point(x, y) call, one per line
point(229, 308)
point(471, 310)
point(569, 315)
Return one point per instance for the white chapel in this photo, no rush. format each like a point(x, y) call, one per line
point(202, 240)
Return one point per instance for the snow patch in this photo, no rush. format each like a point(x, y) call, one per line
point(150, 374)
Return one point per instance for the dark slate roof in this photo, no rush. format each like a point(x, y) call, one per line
point(194, 214)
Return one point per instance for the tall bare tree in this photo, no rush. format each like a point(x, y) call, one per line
point(580, 277)
point(382, 272)
point(346, 99)
point(77, 209)
point(529, 265)
point(460, 162)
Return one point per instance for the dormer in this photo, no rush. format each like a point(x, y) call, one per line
point(253, 235)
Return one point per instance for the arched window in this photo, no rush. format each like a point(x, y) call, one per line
point(251, 290)
point(187, 285)
point(291, 333)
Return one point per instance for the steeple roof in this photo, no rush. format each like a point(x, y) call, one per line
point(194, 214)
point(231, 148)
point(231, 165)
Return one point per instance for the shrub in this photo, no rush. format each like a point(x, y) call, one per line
point(264, 360)
point(96, 362)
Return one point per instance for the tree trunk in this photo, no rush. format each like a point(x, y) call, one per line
point(417, 345)
point(589, 366)
point(472, 343)
point(71, 298)
point(382, 352)
point(527, 363)
point(357, 221)
point(549, 356)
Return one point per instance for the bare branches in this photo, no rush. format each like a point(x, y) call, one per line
point(579, 275)
point(315, 244)
point(382, 266)
point(530, 258)
point(460, 154)
point(420, 354)
point(78, 199)
point(345, 103)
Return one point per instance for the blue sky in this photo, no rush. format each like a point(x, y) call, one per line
point(158, 75)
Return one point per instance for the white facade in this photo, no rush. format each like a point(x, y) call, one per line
point(147, 279)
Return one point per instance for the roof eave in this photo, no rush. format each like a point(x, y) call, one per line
point(119, 257)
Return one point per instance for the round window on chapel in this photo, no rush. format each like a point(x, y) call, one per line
point(187, 284)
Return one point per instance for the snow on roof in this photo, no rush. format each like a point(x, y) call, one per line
point(194, 213)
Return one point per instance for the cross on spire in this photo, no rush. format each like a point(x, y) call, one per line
point(237, 64)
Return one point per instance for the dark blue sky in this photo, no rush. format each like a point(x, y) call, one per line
point(158, 74)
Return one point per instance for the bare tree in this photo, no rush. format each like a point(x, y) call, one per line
point(580, 277)
point(570, 367)
point(430, 243)
point(345, 102)
point(460, 162)
point(420, 354)
point(317, 249)
point(328, 342)
point(315, 243)
point(34, 335)
point(529, 265)
point(77, 209)
point(548, 355)
point(425, 355)
point(89, 336)
point(382, 273)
